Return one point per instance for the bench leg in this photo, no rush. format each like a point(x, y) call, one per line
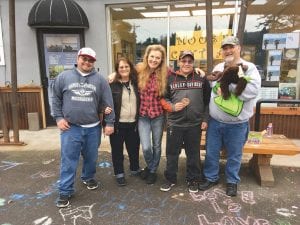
point(261, 165)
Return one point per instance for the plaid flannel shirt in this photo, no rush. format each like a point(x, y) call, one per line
point(150, 101)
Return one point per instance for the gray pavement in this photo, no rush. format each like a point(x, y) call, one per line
point(28, 189)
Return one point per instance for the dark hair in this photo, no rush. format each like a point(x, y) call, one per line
point(132, 73)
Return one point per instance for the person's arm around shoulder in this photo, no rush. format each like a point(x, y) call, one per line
point(107, 102)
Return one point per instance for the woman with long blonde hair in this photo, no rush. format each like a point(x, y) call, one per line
point(152, 81)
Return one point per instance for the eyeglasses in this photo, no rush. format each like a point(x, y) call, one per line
point(187, 61)
point(87, 59)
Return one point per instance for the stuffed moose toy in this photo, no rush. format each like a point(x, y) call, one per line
point(231, 74)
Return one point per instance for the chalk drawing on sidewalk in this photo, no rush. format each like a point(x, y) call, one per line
point(104, 164)
point(218, 198)
point(70, 216)
point(46, 162)
point(179, 197)
point(282, 222)
point(9, 165)
point(286, 212)
point(43, 174)
point(46, 220)
point(2, 201)
point(232, 220)
point(248, 197)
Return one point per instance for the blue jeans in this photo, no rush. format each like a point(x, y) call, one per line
point(233, 138)
point(75, 141)
point(151, 127)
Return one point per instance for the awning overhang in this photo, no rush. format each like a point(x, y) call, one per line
point(57, 13)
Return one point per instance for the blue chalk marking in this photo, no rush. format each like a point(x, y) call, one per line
point(16, 197)
point(122, 206)
point(104, 164)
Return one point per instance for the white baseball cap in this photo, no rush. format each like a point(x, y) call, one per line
point(87, 52)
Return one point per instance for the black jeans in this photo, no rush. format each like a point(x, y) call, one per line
point(190, 136)
point(127, 133)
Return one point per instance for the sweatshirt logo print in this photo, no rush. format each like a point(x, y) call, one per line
point(186, 85)
point(82, 92)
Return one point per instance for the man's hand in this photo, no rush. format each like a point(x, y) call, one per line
point(63, 124)
point(179, 106)
point(216, 75)
point(203, 125)
point(200, 72)
point(107, 110)
point(111, 77)
point(108, 130)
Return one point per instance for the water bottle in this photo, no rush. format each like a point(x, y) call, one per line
point(270, 130)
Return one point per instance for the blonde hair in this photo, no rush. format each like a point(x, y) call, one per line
point(161, 71)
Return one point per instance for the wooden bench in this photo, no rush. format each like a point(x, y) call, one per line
point(260, 163)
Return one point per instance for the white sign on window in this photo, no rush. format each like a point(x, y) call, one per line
point(2, 62)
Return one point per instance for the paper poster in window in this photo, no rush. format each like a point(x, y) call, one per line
point(273, 73)
point(288, 92)
point(292, 40)
point(60, 52)
point(274, 41)
point(274, 57)
point(288, 71)
point(2, 62)
point(292, 53)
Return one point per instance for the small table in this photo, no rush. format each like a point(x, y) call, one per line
point(260, 162)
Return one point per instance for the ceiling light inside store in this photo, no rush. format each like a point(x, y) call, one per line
point(118, 9)
point(201, 4)
point(139, 8)
point(229, 3)
point(185, 5)
point(259, 2)
point(226, 11)
point(160, 7)
point(165, 14)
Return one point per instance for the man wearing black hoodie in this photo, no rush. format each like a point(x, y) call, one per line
point(187, 99)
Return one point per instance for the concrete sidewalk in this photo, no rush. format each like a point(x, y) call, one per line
point(29, 186)
point(48, 140)
point(29, 178)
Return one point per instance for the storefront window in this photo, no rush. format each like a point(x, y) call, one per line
point(177, 26)
point(270, 40)
point(132, 30)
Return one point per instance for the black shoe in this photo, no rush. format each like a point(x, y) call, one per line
point(91, 184)
point(121, 181)
point(151, 178)
point(167, 186)
point(136, 173)
point(231, 189)
point(207, 185)
point(144, 173)
point(63, 201)
point(193, 186)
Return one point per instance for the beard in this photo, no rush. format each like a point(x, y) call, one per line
point(229, 59)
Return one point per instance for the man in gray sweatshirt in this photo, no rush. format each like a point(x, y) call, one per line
point(224, 129)
point(80, 95)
